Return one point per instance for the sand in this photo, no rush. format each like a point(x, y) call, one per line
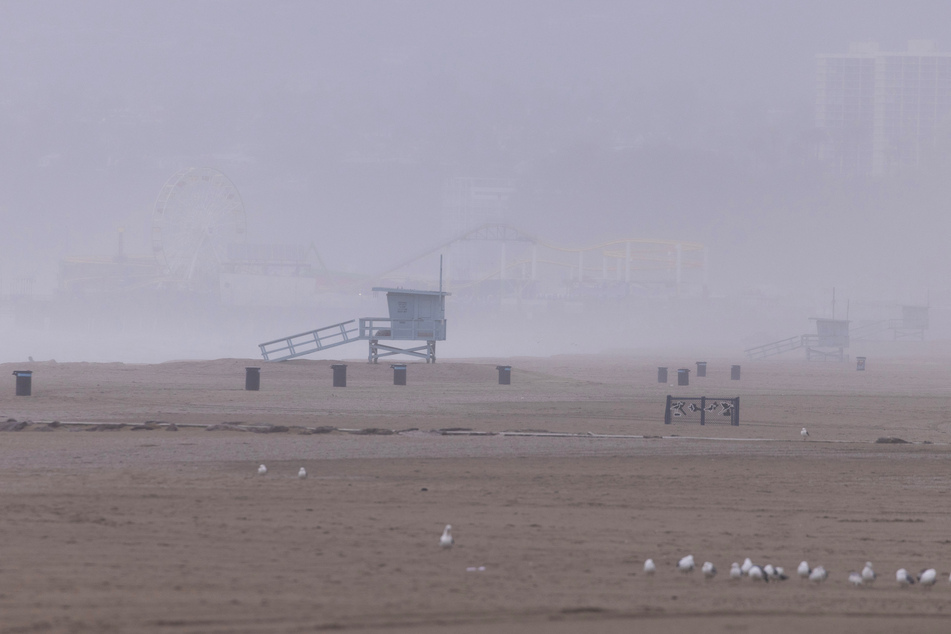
point(151, 530)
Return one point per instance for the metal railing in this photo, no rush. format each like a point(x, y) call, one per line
point(310, 341)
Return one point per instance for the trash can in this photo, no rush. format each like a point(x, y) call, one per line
point(734, 373)
point(399, 373)
point(252, 379)
point(860, 364)
point(505, 374)
point(701, 369)
point(661, 375)
point(24, 382)
point(340, 375)
point(683, 377)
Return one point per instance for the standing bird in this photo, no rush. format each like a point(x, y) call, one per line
point(302, 473)
point(747, 564)
point(709, 570)
point(928, 577)
point(903, 578)
point(735, 572)
point(818, 574)
point(868, 575)
point(757, 573)
point(686, 564)
point(446, 540)
point(649, 567)
point(804, 433)
point(262, 470)
point(803, 570)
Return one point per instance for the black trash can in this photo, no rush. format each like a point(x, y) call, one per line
point(340, 375)
point(661, 375)
point(505, 374)
point(734, 373)
point(860, 364)
point(252, 379)
point(399, 373)
point(24, 382)
point(683, 377)
point(701, 369)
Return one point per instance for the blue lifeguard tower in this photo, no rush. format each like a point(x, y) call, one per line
point(414, 316)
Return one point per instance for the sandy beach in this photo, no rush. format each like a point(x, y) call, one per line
point(559, 485)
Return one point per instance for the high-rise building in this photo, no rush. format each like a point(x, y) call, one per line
point(880, 111)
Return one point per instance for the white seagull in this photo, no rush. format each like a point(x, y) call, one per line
point(903, 578)
point(856, 579)
point(868, 575)
point(649, 567)
point(747, 564)
point(736, 573)
point(818, 574)
point(709, 570)
point(769, 570)
point(446, 540)
point(928, 577)
point(262, 470)
point(804, 433)
point(757, 573)
point(803, 570)
point(302, 473)
point(686, 564)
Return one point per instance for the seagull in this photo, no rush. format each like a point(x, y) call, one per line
point(803, 570)
point(709, 570)
point(446, 540)
point(868, 575)
point(649, 567)
point(928, 577)
point(818, 574)
point(302, 473)
point(686, 564)
point(736, 573)
point(757, 573)
point(903, 578)
point(747, 564)
point(856, 579)
point(804, 433)
point(769, 570)
point(262, 470)
point(779, 573)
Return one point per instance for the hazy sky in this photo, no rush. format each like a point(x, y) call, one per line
point(339, 122)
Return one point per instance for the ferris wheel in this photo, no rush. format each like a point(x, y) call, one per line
point(197, 214)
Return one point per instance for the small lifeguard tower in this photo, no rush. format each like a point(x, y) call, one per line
point(830, 341)
point(413, 316)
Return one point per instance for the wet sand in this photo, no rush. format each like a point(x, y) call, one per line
point(173, 531)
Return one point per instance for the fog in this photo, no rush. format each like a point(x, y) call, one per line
point(343, 125)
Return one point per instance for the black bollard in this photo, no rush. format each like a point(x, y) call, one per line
point(701, 368)
point(252, 379)
point(734, 373)
point(860, 364)
point(340, 375)
point(661, 375)
point(505, 374)
point(683, 377)
point(24, 382)
point(399, 373)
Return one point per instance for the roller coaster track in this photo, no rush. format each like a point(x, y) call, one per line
point(493, 232)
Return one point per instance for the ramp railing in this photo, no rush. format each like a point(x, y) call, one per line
point(310, 341)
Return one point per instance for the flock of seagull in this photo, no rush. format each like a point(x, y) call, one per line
point(818, 574)
point(302, 473)
point(765, 573)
